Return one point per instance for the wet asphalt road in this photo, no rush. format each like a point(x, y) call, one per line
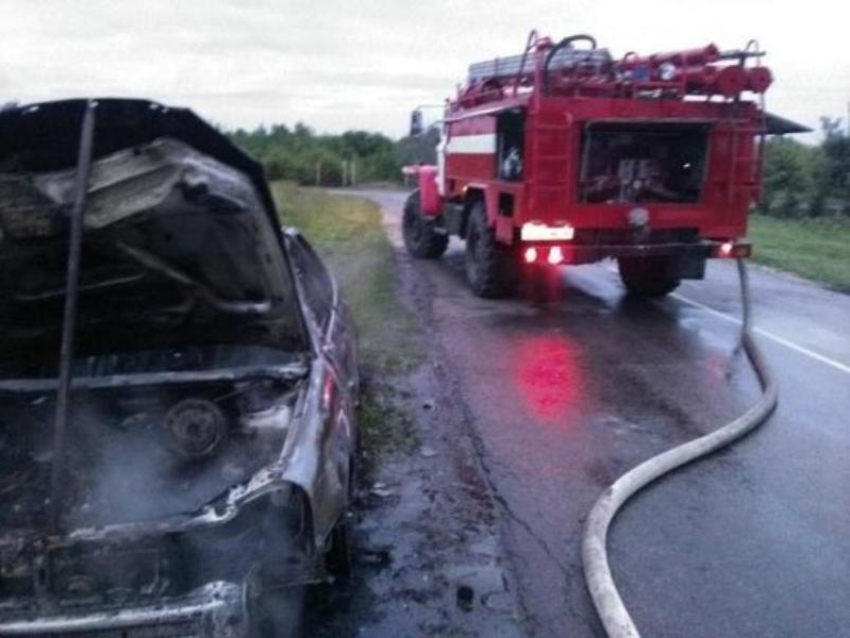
point(569, 393)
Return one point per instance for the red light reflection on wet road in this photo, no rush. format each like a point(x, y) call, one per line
point(549, 379)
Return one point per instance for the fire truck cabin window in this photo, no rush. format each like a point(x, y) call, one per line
point(511, 140)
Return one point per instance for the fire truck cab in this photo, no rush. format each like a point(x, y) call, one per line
point(567, 155)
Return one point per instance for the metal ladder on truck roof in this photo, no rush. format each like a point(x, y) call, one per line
point(509, 67)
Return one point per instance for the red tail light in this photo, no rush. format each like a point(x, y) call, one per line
point(732, 250)
point(530, 255)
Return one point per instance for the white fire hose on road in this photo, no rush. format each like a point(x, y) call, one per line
point(597, 572)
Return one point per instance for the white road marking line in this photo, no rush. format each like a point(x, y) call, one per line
point(764, 333)
point(767, 335)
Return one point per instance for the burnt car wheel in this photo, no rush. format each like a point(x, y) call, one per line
point(491, 269)
point(338, 556)
point(653, 276)
point(275, 607)
point(420, 235)
point(274, 610)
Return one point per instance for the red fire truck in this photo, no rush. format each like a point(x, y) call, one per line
point(566, 155)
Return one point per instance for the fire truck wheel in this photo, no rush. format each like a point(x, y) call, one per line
point(649, 276)
point(491, 269)
point(420, 236)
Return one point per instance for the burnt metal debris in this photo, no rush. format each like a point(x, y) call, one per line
point(66, 353)
point(204, 432)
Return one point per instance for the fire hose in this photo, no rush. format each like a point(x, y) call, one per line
point(606, 598)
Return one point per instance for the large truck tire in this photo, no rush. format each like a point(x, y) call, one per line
point(420, 234)
point(653, 276)
point(491, 268)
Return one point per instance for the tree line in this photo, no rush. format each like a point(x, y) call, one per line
point(801, 180)
point(300, 155)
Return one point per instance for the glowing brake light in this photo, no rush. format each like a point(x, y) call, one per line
point(535, 231)
point(530, 255)
point(556, 255)
point(731, 250)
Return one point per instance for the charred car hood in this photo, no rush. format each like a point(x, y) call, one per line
point(181, 242)
point(189, 342)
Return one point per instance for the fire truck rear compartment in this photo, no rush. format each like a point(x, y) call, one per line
point(643, 163)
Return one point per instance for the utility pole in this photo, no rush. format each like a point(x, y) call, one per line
point(352, 178)
point(319, 173)
point(344, 172)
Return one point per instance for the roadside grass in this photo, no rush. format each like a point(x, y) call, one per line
point(815, 249)
point(347, 234)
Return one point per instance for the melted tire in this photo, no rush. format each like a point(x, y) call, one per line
point(338, 556)
point(649, 276)
point(420, 236)
point(274, 610)
point(491, 268)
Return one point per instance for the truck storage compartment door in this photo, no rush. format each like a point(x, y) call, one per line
point(643, 162)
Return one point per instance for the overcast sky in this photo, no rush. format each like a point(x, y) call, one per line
point(340, 64)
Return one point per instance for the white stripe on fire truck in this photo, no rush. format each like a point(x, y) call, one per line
point(472, 144)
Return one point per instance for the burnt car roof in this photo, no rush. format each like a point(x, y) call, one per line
point(45, 136)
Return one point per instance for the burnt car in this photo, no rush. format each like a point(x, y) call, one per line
point(206, 457)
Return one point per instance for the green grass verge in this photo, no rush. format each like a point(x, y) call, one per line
point(385, 425)
point(347, 234)
point(815, 249)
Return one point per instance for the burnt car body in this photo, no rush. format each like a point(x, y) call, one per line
point(211, 432)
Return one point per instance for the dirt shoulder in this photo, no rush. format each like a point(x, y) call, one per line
point(427, 555)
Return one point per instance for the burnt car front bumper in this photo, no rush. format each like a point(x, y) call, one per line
point(216, 610)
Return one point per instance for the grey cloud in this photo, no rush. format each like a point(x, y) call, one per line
point(338, 64)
